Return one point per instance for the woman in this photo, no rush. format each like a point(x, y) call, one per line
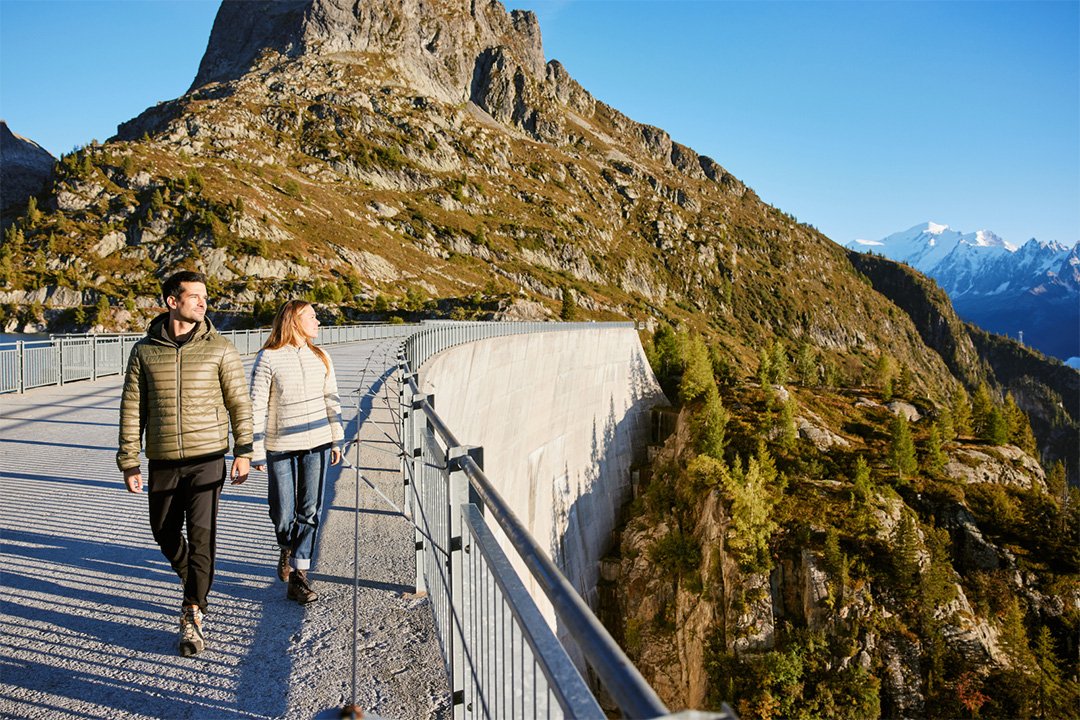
point(294, 398)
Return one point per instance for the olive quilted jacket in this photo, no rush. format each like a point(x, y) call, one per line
point(183, 398)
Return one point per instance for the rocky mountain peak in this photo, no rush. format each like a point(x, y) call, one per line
point(435, 45)
point(25, 167)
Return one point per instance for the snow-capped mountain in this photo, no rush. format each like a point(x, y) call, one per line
point(1032, 289)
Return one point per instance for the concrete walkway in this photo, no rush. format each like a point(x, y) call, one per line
point(89, 608)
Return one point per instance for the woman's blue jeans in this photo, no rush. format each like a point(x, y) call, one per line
point(295, 493)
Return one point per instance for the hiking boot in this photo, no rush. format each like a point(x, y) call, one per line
point(300, 589)
point(191, 633)
point(283, 564)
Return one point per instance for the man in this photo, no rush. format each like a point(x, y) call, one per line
point(182, 380)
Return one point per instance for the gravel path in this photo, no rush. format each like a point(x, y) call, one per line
point(89, 607)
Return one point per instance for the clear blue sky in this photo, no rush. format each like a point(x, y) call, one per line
point(861, 118)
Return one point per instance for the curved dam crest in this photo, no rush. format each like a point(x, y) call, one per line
point(562, 417)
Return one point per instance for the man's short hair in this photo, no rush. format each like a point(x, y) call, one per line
point(171, 287)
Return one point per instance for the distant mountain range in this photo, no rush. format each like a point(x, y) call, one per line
point(1031, 292)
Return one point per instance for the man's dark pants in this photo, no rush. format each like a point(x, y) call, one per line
point(187, 492)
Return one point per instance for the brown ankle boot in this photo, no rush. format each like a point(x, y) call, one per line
point(300, 589)
point(283, 563)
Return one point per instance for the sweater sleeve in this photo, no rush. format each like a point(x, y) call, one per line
point(261, 380)
point(333, 404)
point(237, 400)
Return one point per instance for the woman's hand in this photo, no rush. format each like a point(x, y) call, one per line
point(335, 456)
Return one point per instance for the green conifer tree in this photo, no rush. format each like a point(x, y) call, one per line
point(1056, 485)
point(946, 426)
point(862, 485)
point(697, 375)
point(101, 310)
point(1018, 426)
point(778, 362)
point(569, 310)
point(711, 425)
point(1052, 688)
point(995, 430)
point(981, 406)
point(830, 374)
point(805, 366)
point(33, 215)
point(902, 447)
point(667, 358)
point(961, 413)
point(765, 372)
point(157, 202)
point(14, 240)
point(788, 433)
point(905, 556)
point(883, 371)
point(902, 387)
point(887, 390)
point(753, 494)
point(935, 458)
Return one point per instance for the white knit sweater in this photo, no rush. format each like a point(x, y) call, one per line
point(295, 401)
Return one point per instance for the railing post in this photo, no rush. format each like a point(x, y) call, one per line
point(416, 457)
point(408, 438)
point(93, 356)
point(22, 367)
point(461, 494)
point(59, 354)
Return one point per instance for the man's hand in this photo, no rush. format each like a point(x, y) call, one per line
point(240, 468)
point(133, 479)
point(335, 456)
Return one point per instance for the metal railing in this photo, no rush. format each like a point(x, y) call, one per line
point(27, 364)
point(502, 657)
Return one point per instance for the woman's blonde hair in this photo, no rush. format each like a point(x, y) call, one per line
point(286, 330)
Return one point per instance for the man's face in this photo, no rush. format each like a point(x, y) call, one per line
point(191, 306)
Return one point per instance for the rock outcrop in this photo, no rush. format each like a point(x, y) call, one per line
point(25, 168)
point(435, 47)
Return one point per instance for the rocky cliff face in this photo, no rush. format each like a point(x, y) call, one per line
point(25, 168)
point(879, 597)
point(435, 47)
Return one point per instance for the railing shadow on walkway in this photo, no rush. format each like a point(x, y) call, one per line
point(84, 591)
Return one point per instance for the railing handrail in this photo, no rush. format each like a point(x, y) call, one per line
point(69, 357)
point(635, 697)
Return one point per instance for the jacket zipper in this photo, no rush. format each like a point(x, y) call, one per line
point(303, 385)
point(179, 389)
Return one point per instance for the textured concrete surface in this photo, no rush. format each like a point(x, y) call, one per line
point(89, 608)
point(561, 417)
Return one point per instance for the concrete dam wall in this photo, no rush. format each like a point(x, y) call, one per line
point(561, 416)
